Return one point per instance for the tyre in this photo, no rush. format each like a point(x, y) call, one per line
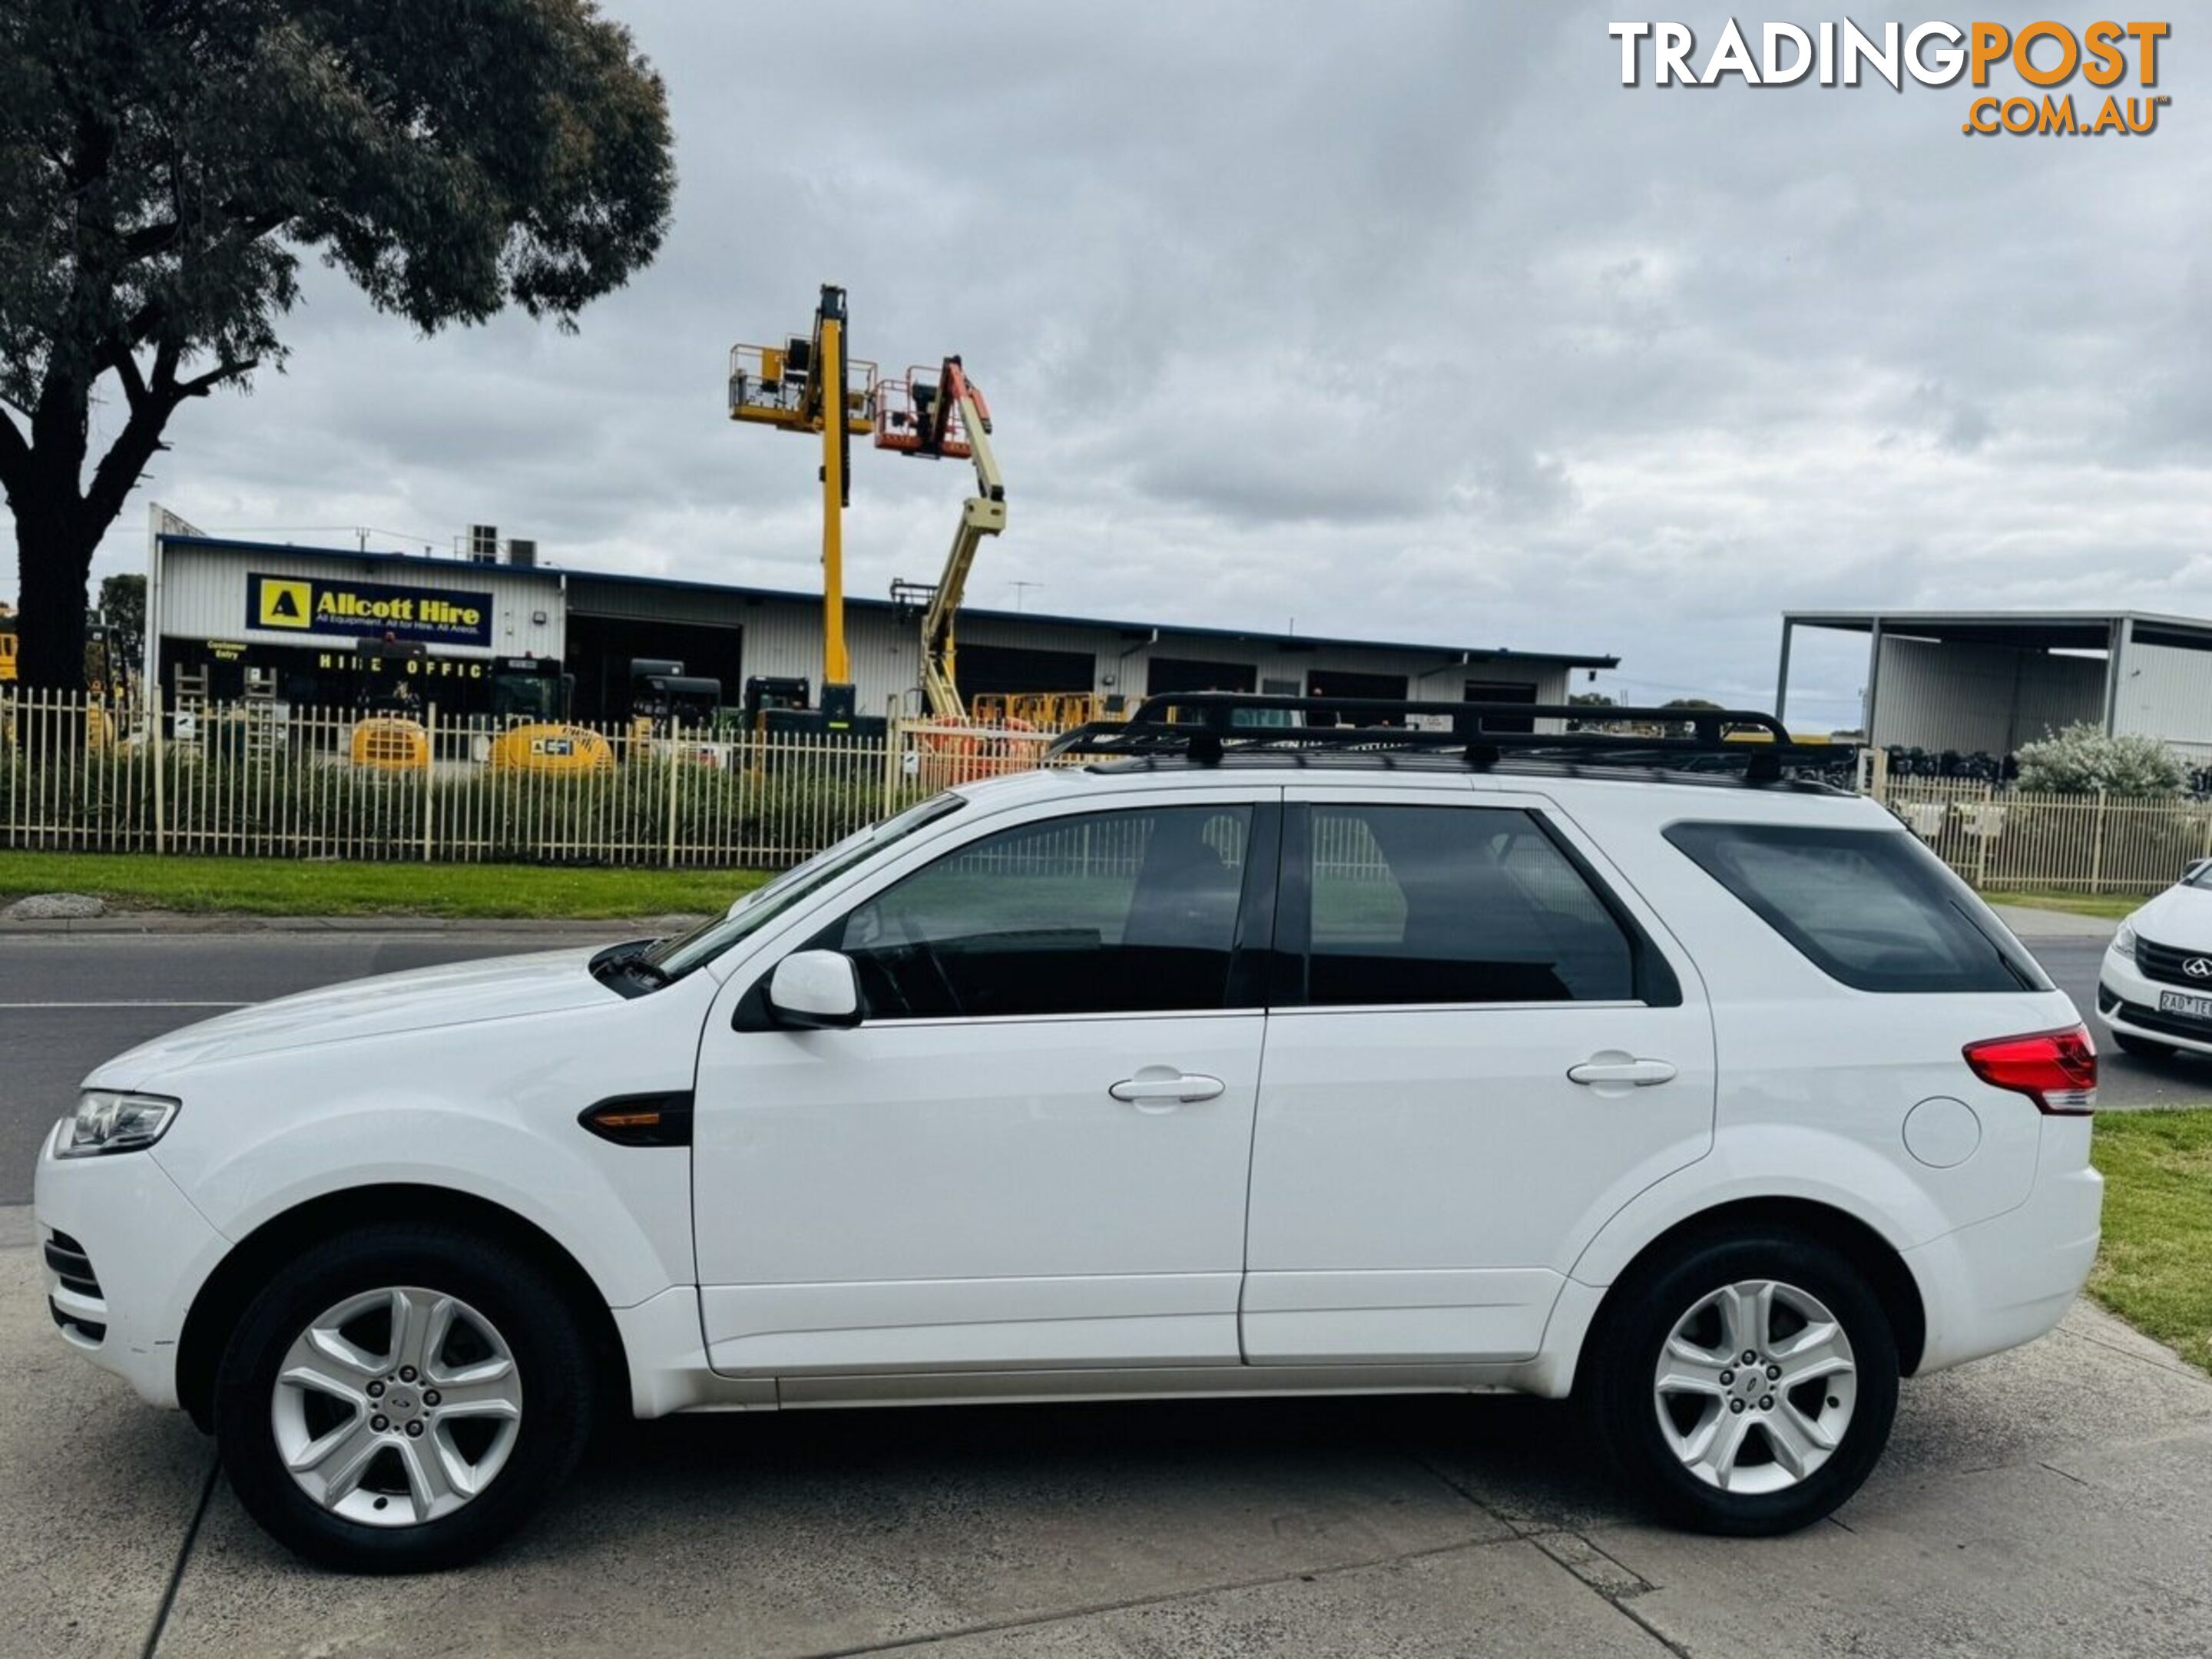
point(2143, 1048)
point(1747, 1384)
point(401, 1398)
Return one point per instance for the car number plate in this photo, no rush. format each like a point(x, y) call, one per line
point(2180, 1002)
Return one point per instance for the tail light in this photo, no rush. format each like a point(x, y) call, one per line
point(2057, 1069)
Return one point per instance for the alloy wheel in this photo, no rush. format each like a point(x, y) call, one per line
point(396, 1407)
point(1755, 1387)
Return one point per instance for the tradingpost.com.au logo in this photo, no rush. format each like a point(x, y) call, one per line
point(2019, 73)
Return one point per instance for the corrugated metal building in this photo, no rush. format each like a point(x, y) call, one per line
point(221, 607)
point(1989, 681)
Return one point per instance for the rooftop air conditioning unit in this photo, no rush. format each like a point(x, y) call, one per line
point(483, 543)
point(522, 553)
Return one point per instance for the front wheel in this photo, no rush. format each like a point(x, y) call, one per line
point(400, 1398)
point(1746, 1386)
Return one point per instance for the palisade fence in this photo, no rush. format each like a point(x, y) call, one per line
point(2004, 839)
point(266, 780)
point(82, 773)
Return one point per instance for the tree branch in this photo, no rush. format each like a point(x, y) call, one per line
point(149, 239)
point(200, 385)
point(125, 365)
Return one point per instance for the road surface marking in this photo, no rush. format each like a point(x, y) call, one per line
point(143, 1004)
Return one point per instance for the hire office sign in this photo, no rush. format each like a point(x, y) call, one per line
point(304, 604)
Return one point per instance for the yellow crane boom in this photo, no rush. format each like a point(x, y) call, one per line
point(949, 419)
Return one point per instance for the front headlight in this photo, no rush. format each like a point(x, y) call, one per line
point(106, 1121)
point(2123, 942)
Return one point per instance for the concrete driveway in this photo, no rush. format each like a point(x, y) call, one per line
point(2054, 1501)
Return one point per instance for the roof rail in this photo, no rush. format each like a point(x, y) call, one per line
point(1202, 726)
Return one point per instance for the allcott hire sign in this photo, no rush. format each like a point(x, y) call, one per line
point(304, 604)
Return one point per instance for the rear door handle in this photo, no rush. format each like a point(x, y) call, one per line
point(1620, 1068)
point(1162, 1088)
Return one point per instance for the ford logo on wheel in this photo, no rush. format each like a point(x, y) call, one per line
point(2198, 967)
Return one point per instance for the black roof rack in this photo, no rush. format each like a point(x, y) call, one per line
point(1202, 726)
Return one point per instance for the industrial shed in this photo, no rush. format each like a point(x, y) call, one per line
point(1988, 681)
point(229, 617)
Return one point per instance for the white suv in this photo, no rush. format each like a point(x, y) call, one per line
point(1716, 1104)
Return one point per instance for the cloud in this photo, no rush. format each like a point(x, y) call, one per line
point(1410, 317)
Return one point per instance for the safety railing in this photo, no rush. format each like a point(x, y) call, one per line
point(2011, 839)
point(272, 780)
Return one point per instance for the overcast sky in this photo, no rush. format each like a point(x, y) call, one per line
point(1405, 320)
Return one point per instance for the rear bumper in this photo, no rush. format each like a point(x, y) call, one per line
point(125, 1252)
point(2128, 1000)
point(2007, 1280)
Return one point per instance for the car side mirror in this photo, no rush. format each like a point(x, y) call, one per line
point(815, 991)
point(2195, 866)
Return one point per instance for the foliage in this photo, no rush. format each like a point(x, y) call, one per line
point(163, 162)
point(245, 788)
point(2113, 907)
point(2084, 759)
point(122, 603)
point(1591, 700)
point(323, 887)
point(2154, 1266)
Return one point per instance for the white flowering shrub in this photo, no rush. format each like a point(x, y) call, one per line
point(2084, 758)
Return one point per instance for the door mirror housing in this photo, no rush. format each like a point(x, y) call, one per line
point(815, 990)
point(2191, 871)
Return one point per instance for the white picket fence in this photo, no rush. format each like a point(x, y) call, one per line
point(272, 780)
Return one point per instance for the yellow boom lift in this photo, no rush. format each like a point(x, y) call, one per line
point(944, 417)
point(803, 386)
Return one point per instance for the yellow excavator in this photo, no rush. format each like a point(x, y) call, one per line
point(942, 418)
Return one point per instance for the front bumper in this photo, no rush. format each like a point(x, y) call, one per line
point(2007, 1280)
point(2127, 999)
point(124, 1253)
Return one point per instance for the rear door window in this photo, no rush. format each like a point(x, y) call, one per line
point(1456, 904)
point(1873, 908)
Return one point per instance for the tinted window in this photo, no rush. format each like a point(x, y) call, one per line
point(1871, 908)
point(1454, 904)
point(1106, 913)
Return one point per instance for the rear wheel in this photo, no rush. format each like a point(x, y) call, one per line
point(2143, 1048)
point(1748, 1385)
point(400, 1398)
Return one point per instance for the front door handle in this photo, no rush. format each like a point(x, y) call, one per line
point(1162, 1088)
point(1615, 1067)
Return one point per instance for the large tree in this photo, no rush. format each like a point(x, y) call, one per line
point(163, 163)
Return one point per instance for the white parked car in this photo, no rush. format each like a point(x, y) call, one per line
point(1719, 1105)
point(2154, 989)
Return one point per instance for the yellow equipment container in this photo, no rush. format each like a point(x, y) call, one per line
point(390, 742)
point(551, 746)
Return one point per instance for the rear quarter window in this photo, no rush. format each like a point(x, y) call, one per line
point(1872, 909)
